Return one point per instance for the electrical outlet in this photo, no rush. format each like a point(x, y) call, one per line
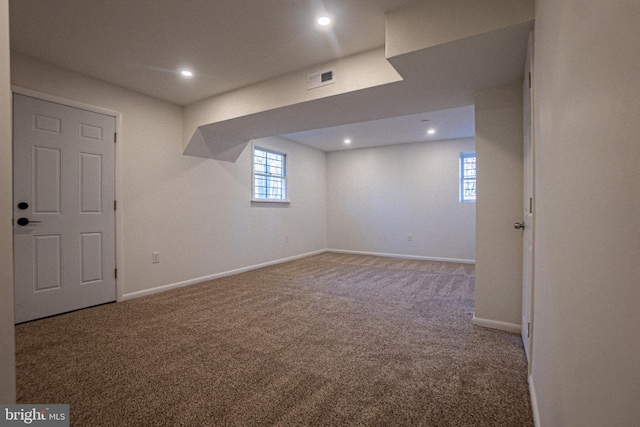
point(156, 257)
point(409, 238)
point(286, 239)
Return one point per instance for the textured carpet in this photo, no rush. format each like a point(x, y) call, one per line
point(331, 339)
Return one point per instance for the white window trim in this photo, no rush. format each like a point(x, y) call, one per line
point(253, 174)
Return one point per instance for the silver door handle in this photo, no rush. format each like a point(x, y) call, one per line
point(519, 225)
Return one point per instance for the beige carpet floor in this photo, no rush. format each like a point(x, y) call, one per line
point(328, 340)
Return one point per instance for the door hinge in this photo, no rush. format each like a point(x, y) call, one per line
point(530, 205)
point(115, 273)
point(115, 134)
point(529, 79)
point(528, 329)
point(115, 205)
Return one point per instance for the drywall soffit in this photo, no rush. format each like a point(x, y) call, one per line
point(209, 144)
point(461, 67)
point(283, 105)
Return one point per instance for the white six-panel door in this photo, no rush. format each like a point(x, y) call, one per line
point(64, 186)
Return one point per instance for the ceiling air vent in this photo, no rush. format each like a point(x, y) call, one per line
point(321, 79)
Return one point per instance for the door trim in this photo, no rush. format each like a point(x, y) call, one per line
point(532, 201)
point(120, 280)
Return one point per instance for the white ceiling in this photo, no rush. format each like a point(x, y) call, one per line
point(452, 123)
point(142, 45)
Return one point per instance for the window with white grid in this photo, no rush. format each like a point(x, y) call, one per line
point(269, 175)
point(468, 176)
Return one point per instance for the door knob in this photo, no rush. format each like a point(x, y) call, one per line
point(26, 221)
point(519, 225)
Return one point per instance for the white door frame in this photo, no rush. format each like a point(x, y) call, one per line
point(120, 280)
point(531, 221)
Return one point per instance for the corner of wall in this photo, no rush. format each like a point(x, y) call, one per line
point(7, 334)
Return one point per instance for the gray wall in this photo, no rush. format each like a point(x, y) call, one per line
point(7, 365)
point(377, 197)
point(586, 368)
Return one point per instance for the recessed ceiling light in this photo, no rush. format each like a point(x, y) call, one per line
point(324, 20)
point(186, 73)
point(347, 141)
point(431, 131)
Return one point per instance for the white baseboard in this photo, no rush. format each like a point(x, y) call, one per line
point(534, 403)
point(423, 258)
point(494, 324)
point(197, 280)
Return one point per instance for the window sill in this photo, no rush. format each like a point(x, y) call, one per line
point(269, 202)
